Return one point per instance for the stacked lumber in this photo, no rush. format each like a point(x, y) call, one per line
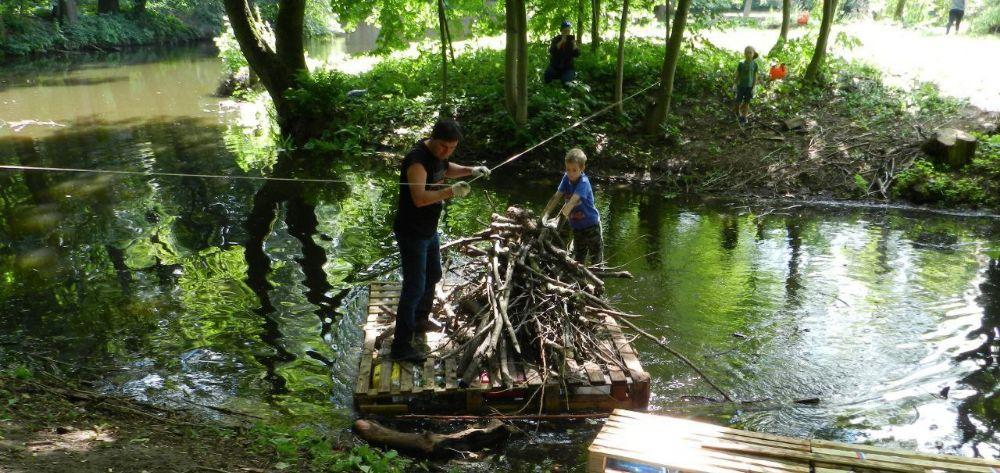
point(633, 441)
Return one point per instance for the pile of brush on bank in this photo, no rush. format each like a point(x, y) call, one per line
point(524, 296)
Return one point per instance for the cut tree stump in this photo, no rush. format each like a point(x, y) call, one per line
point(796, 123)
point(430, 443)
point(951, 147)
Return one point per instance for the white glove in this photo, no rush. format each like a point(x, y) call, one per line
point(481, 171)
point(552, 223)
point(460, 189)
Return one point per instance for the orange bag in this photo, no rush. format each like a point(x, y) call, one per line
point(803, 19)
point(778, 72)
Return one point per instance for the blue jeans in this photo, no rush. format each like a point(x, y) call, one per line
point(565, 76)
point(421, 262)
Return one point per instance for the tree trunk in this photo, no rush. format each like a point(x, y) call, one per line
point(67, 12)
point(510, 58)
point(444, 53)
point(580, 14)
point(522, 63)
point(666, 20)
point(658, 111)
point(786, 20)
point(747, 4)
point(447, 33)
point(813, 71)
point(595, 24)
point(620, 66)
point(108, 6)
point(277, 67)
point(899, 10)
point(139, 6)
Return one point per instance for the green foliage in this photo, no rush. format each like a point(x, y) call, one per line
point(986, 20)
point(29, 35)
point(314, 451)
point(976, 185)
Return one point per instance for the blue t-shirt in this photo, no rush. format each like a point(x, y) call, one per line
point(584, 215)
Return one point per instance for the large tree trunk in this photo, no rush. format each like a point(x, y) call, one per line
point(510, 58)
point(67, 12)
point(444, 53)
point(747, 4)
point(595, 24)
point(620, 66)
point(277, 67)
point(580, 20)
point(139, 6)
point(786, 20)
point(522, 63)
point(899, 10)
point(813, 71)
point(108, 6)
point(658, 112)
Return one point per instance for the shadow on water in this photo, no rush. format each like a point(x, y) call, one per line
point(979, 413)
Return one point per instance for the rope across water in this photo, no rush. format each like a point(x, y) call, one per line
point(15, 167)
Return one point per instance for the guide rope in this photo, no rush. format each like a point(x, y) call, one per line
point(15, 167)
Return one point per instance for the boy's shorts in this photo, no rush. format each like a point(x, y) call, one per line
point(744, 94)
point(588, 244)
point(955, 15)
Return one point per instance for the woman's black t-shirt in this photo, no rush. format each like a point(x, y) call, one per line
point(412, 221)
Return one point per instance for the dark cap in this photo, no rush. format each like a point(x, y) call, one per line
point(446, 129)
point(566, 24)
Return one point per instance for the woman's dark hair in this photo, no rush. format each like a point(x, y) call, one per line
point(446, 130)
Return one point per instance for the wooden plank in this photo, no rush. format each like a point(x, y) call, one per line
point(689, 463)
point(692, 454)
point(451, 381)
point(406, 373)
point(576, 373)
point(594, 373)
point(704, 426)
point(385, 381)
point(365, 366)
point(917, 463)
point(904, 453)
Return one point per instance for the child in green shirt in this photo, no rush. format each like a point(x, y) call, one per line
point(746, 79)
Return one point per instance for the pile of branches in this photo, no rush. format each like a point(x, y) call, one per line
point(525, 296)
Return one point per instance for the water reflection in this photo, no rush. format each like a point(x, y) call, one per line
point(979, 413)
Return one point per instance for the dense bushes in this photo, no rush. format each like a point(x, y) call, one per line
point(30, 35)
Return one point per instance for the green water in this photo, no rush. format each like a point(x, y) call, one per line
point(229, 292)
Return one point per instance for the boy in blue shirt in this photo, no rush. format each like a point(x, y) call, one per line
point(579, 209)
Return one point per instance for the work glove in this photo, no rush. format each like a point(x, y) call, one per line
point(481, 171)
point(460, 189)
point(552, 223)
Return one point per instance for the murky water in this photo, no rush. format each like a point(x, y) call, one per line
point(228, 292)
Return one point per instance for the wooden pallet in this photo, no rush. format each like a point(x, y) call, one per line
point(386, 387)
point(635, 442)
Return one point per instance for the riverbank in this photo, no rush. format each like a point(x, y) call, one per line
point(49, 424)
point(852, 137)
point(27, 36)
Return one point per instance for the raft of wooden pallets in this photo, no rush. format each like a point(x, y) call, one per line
point(646, 443)
point(386, 387)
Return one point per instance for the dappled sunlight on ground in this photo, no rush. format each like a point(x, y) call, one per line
point(961, 66)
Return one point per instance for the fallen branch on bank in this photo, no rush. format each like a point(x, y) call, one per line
point(433, 444)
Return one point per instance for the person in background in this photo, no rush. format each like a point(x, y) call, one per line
point(578, 206)
point(955, 15)
point(562, 50)
point(422, 193)
point(746, 79)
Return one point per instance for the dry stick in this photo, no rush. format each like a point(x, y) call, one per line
point(677, 354)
